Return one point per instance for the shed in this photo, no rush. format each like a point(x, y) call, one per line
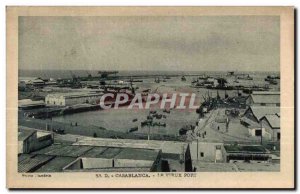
point(264, 98)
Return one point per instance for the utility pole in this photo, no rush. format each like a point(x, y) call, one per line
point(148, 132)
point(261, 135)
point(183, 154)
point(197, 148)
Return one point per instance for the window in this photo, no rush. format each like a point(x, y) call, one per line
point(278, 136)
point(258, 132)
point(263, 104)
point(277, 104)
point(202, 154)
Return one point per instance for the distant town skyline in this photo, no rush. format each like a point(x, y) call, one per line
point(198, 43)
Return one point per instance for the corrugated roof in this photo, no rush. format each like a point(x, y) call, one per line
point(50, 148)
point(266, 97)
point(261, 111)
point(251, 123)
point(137, 154)
point(115, 169)
point(33, 163)
point(273, 120)
point(95, 152)
point(71, 151)
point(56, 164)
point(166, 146)
point(99, 152)
point(266, 92)
point(22, 157)
point(110, 153)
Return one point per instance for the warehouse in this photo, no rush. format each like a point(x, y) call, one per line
point(126, 159)
point(106, 159)
point(30, 140)
point(175, 155)
point(27, 104)
point(109, 155)
point(258, 98)
point(253, 115)
point(69, 99)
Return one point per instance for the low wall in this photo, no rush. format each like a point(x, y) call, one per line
point(96, 163)
point(132, 163)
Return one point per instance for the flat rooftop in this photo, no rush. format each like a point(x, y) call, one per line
point(56, 164)
point(266, 93)
point(173, 147)
point(74, 94)
point(55, 157)
point(115, 169)
point(95, 152)
point(64, 150)
point(245, 149)
point(98, 152)
point(137, 154)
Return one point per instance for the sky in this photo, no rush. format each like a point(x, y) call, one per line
point(172, 43)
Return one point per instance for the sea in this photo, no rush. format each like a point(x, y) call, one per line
point(124, 119)
point(68, 73)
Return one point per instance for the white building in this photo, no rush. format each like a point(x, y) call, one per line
point(69, 99)
point(252, 119)
point(207, 151)
point(271, 124)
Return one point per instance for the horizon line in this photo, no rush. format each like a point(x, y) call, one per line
point(147, 70)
